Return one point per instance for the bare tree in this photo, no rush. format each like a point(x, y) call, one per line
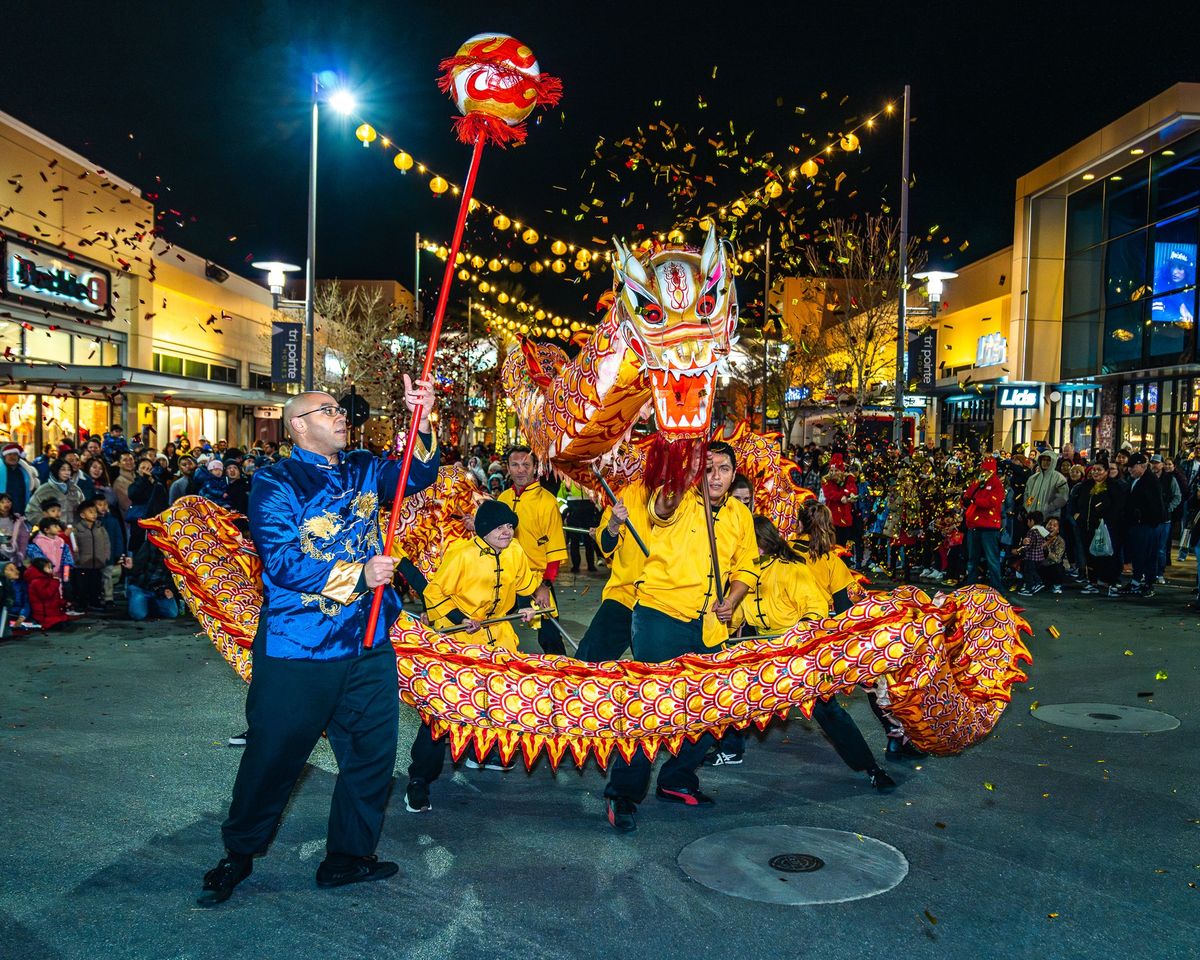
point(856, 266)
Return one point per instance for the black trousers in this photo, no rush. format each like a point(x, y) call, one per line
point(609, 634)
point(289, 704)
point(656, 639)
point(844, 734)
point(582, 514)
point(85, 586)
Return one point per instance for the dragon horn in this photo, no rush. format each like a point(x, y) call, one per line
point(628, 264)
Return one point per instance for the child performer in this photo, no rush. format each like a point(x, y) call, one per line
point(479, 579)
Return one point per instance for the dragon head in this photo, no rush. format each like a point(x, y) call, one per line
point(678, 311)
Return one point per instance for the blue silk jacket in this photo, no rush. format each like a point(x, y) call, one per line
point(314, 526)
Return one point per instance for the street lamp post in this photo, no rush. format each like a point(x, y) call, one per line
point(902, 299)
point(343, 102)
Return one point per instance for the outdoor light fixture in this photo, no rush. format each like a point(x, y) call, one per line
point(342, 100)
point(934, 283)
point(276, 272)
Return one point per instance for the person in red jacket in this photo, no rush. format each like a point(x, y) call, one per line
point(45, 594)
point(984, 502)
point(841, 491)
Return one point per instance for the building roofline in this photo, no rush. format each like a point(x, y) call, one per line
point(36, 135)
point(1176, 105)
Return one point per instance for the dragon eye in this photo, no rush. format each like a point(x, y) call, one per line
point(706, 305)
point(652, 313)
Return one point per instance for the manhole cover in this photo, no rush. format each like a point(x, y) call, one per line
point(796, 863)
point(1106, 717)
point(835, 866)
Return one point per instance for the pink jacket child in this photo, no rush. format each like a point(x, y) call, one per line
point(47, 543)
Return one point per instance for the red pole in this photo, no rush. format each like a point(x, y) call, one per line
point(435, 331)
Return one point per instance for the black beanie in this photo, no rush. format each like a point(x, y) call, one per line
point(492, 514)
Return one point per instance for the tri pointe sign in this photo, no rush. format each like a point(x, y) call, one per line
point(48, 278)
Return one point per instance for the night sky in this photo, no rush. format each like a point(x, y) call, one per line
point(207, 105)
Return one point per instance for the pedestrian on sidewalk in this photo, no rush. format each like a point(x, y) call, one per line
point(1145, 512)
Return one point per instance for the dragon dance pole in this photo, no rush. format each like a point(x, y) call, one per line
point(628, 525)
point(410, 443)
point(712, 539)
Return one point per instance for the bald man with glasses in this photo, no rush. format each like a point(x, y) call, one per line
point(314, 518)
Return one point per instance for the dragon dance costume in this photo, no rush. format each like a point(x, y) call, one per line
point(948, 663)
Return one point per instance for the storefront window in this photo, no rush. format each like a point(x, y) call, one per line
point(1175, 179)
point(1126, 199)
point(48, 346)
point(18, 421)
point(194, 423)
point(1074, 418)
point(1123, 337)
point(1159, 415)
point(1085, 220)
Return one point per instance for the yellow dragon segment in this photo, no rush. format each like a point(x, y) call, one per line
point(949, 665)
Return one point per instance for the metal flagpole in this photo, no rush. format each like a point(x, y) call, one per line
point(310, 270)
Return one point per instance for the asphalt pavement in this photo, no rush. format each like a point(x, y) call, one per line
point(1041, 841)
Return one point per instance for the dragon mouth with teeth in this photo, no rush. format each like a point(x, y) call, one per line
point(678, 312)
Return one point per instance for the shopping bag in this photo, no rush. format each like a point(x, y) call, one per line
point(1101, 542)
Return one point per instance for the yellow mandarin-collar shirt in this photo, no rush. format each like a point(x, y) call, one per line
point(784, 593)
point(540, 530)
point(480, 583)
point(627, 560)
point(829, 571)
point(677, 578)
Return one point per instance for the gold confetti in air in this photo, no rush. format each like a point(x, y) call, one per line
point(988, 786)
point(1033, 706)
point(1052, 916)
point(1161, 675)
point(1053, 631)
point(1129, 653)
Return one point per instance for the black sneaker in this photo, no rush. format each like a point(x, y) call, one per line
point(416, 797)
point(621, 814)
point(238, 739)
point(222, 878)
point(719, 759)
point(685, 795)
point(903, 750)
point(880, 780)
point(339, 870)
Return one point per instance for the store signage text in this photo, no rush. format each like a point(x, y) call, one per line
point(286, 354)
point(1020, 398)
point(268, 413)
point(991, 349)
point(33, 274)
point(922, 360)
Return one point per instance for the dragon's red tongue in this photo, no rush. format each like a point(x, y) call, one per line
point(674, 464)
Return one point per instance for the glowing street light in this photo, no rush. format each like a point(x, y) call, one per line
point(935, 284)
point(277, 272)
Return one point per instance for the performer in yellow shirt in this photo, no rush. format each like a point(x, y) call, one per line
point(611, 631)
point(818, 542)
point(540, 534)
point(479, 579)
point(675, 594)
point(786, 592)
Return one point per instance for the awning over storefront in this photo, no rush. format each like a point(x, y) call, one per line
point(165, 388)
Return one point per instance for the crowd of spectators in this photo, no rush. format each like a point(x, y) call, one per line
point(70, 543)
